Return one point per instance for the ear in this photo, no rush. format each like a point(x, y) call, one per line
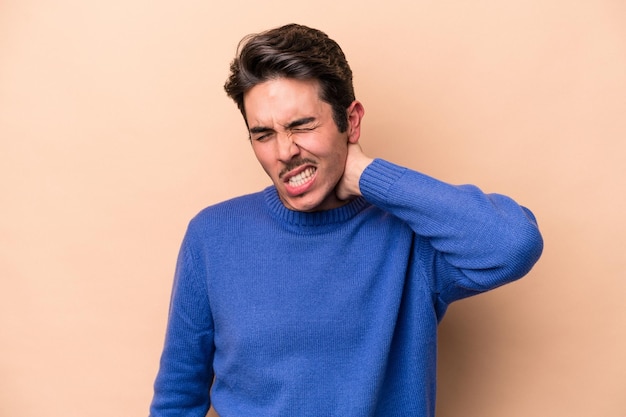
point(356, 111)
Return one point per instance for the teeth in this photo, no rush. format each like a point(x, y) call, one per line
point(302, 177)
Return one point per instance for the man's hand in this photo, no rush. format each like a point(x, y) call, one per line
point(356, 162)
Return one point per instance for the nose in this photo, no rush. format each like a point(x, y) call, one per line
point(287, 147)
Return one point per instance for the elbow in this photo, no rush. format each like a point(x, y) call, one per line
point(525, 250)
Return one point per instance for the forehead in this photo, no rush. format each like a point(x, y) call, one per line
point(283, 99)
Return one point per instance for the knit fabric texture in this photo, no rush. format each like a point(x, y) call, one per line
point(276, 312)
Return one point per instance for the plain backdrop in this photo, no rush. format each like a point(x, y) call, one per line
point(115, 131)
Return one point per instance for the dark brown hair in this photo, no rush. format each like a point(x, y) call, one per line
point(293, 51)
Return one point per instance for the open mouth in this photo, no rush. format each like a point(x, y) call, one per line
point(302, 178)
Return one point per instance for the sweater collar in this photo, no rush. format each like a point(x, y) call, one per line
point(312, 219)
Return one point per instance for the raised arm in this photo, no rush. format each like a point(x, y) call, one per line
point(488, 238)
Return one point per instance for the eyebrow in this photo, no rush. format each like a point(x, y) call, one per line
point(290, 125)
point(259, 129)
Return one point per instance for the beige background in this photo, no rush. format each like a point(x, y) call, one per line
point(115, 130)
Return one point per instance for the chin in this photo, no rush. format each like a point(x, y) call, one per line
point(311, 204)
point(301, 203)
point(302, 206)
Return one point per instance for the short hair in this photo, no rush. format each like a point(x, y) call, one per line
point(298, 52)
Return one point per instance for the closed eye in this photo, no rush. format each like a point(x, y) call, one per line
point(302, 125)
point(259, 133)
point(261, 137)
point(303, 129)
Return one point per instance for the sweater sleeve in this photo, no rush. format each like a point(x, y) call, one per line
point(185, 373)
point(478, 241)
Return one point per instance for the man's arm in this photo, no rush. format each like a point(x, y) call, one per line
point(185, 373)
point(482, 240)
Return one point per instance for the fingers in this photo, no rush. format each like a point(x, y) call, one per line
point(356, 162)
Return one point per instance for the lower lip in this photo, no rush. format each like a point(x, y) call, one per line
point(297, 190)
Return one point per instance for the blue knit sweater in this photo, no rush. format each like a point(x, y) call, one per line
point(334, 313)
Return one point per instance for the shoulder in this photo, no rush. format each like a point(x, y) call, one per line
point(229, 213)
point(233, 209)
point(224, 224)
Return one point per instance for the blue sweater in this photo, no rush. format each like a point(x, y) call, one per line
point(333, 313)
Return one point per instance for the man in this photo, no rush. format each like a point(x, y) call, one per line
point(321, 295)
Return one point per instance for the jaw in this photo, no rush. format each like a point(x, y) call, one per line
point(303, 203)
point(316, 199)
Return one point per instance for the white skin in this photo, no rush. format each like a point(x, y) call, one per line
point(296, 140)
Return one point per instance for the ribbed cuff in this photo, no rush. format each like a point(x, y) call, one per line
point(378, 178)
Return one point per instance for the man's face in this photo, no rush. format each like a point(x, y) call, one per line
point(297, 142)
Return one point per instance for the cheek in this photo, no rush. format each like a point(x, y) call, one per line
point(263, 156)
point(308, 142)
point(323, 145)
point(335, 162)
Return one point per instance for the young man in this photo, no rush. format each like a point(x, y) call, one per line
point(321, 295)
